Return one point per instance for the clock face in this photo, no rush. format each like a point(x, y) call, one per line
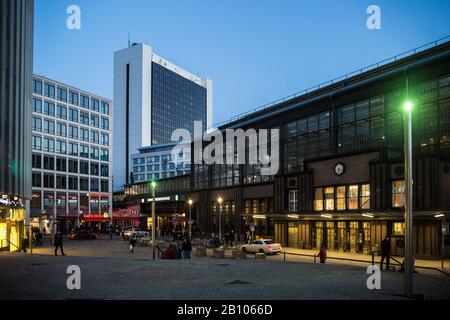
point(339, 169)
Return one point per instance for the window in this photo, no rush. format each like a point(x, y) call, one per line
point(49, 126)
point(37, 124)
point(37, 180)
point(105, 123)
point(61, 182)
point(49, 180)
point(84, 151)
point(84, 184)
point(318, 199)
point(62, 94)
point(352, 197)
point(84, 134)
point(94, 185)
point(95, 105)
point(105, 139)
point(73, 166)
point(37, 86)
point(104, 186)
point(73, 115)
point(95, 121)
point(95, 137)
point(72, 149)
point(94, 169)
point(73, 98)
point(61, 164)
point(49, 144)
point(73, 132)
point(61, 147)
point(61, 112)
point(398, 193)
point(105, 107)
point(365, 196)
point(94, 153)
point(398, 228)
point(340, 196)
point(329, 198)
point(104, 170)
point(37, 161)
point(49, 163)
point(84, 101)
point(84, 118)
point(293, 200)
point(37, 105)
point(105, 155)
point(73, 183)
point(49, 108)
point(49, 90)
point(84, 167)
point(36, 143)
point(61, 129)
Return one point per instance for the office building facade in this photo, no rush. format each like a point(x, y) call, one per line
point(16, 70)
point(71, 159)
point(152, 98)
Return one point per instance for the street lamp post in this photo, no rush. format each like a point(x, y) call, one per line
point(220, 200)
point(190, 202)
point(409, 254)
point(153, 218)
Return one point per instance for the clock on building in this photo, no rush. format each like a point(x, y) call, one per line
point(339, 169)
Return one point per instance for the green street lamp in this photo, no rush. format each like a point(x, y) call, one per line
point(409, 254)
point(190, 202)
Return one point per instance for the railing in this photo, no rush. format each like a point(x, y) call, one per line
point(336, 80)
point(398, 263)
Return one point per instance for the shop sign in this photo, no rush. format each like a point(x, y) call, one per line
point(93, 216)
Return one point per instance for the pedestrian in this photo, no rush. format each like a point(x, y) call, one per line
point(110, 232)
point(24, 243)
point(231, 237)
point(227, 239)
point(132, 244)
point(186, 248)
point(43, 230)
point(58, 242)
point(385, 252)
point(322, 254)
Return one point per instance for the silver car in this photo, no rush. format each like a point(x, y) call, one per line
point(267, 246)
point(135, 232)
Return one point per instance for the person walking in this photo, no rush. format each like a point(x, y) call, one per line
point(385, 252)
point(58, 242)
point(323, 254)
point(186, 248)
point(132, 244)
point(231, 237)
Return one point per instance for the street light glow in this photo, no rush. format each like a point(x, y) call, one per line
point(220, 200)
point(190, 201)
point(408, 106)
point(153, 183)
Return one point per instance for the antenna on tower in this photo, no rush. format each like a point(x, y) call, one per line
point(129, 40)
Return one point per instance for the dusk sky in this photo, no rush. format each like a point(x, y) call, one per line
point(254, 51)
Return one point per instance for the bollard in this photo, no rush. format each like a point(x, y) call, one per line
point(260, 256)
point(315, 258)
point(238, 254)
point(284, 256)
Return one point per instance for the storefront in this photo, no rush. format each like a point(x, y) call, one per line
point(126, 217)
point(96, 222)
point(12, 224)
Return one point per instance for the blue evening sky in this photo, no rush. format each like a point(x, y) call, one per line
point(255, 51)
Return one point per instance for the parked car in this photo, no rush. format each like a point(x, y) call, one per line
point(135, 232)
point(267, 246)
point(82, 235)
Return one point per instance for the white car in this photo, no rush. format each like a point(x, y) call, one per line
point(267, 246)
point(135, 232)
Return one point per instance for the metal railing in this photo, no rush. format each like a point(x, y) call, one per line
point(337, 80)
point(397, 262)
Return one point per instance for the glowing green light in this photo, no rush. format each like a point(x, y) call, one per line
point(408, 106)
point(153, 183)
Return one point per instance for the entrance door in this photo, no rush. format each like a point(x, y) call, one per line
point(354, 236)
point(292, 235)
point(319, 237)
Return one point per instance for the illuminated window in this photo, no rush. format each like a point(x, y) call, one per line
point(399, 228)
point(352, 197)
point(398, 193)
point(318, 199)
point(329, 198)
point(365, 196)
point(340, 195)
